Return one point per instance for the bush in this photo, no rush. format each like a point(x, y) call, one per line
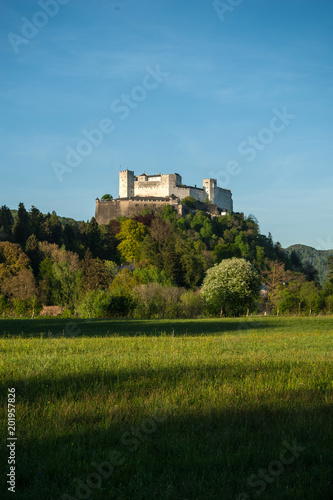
point(329, 304)
point(94, 304)
point(35, 306)
point(121, 304)
point(288, 303)
point(4, 305)
point(149, 302)
point(66, 313)
point(191, 305)
point(157, 301)
point(19, 307)
point(152, 274)
point(189, 201)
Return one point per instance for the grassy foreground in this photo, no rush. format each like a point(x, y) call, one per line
point(180, 410)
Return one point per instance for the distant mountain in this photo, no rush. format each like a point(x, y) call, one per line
point(317, 258)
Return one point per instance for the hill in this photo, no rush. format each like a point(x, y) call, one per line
point(317, 258)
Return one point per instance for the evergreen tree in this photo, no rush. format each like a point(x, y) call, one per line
point(21, 226)
point(36, 219)
point(6, 223)
point(33, 252)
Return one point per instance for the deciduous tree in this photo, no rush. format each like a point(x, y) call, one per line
point(12, 259)
point(131, 235)
point(230, 287)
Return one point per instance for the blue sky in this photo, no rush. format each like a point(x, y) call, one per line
point(241, 91)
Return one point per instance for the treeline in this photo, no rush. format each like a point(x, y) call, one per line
point(150, 265)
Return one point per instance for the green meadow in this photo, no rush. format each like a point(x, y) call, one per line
point(169, 409)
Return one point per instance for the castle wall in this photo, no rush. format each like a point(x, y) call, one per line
point(107, 210)
point(170, 184)
point(152, 186)
point(223, 199)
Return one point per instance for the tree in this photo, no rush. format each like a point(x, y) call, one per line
point(94, 272)
point(36, 219)
point(67, 284)
point(190, 262)
point(125, 281)
point(6, 223)
point(288, 293)
point(21, 226)
point(70, 237)
point(330, 268)
point(152, 274)
point(21, 287)
point(46, 280)
point(33, 252)
point(93, 237)
point(230, 287)
point(109, 242)
point(274, 277)
point(189, 201)
point(131, 235)
point(53, 228)
point(107, 197)
point(310, 294)
point(171, 264)
point(12, 259)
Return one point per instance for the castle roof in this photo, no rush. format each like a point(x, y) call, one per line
point(145, 175)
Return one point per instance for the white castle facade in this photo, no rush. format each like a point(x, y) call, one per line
point(166, 185)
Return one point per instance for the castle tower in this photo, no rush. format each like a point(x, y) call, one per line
point(126, 184)
point(209, 186)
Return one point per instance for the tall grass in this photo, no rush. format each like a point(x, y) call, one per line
point(184, 409)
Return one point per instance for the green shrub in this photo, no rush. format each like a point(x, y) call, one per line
point(94, 304)
point(191, 304)
point(156, 301)
point(189, 201)
point(19, 307)
point(66, 313)
point(121, 304)
point(4, 305)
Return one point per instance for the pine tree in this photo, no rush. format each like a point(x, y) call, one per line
point(21, 226)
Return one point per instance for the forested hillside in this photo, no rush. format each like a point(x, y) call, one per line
point(316, 258)
point(153, 264)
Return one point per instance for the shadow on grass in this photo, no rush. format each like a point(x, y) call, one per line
point(201, 456)
point(124, 327)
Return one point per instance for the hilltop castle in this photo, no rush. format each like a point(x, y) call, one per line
point(152, 191)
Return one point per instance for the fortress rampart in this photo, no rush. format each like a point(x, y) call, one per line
point(139, 192)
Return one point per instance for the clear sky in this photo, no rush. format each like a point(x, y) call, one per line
point(238, 90)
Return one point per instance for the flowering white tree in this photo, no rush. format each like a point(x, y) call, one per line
point(230, 287)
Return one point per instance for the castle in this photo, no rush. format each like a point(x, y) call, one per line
point(139, 192)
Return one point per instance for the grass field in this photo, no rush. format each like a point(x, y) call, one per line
point(170, 409)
